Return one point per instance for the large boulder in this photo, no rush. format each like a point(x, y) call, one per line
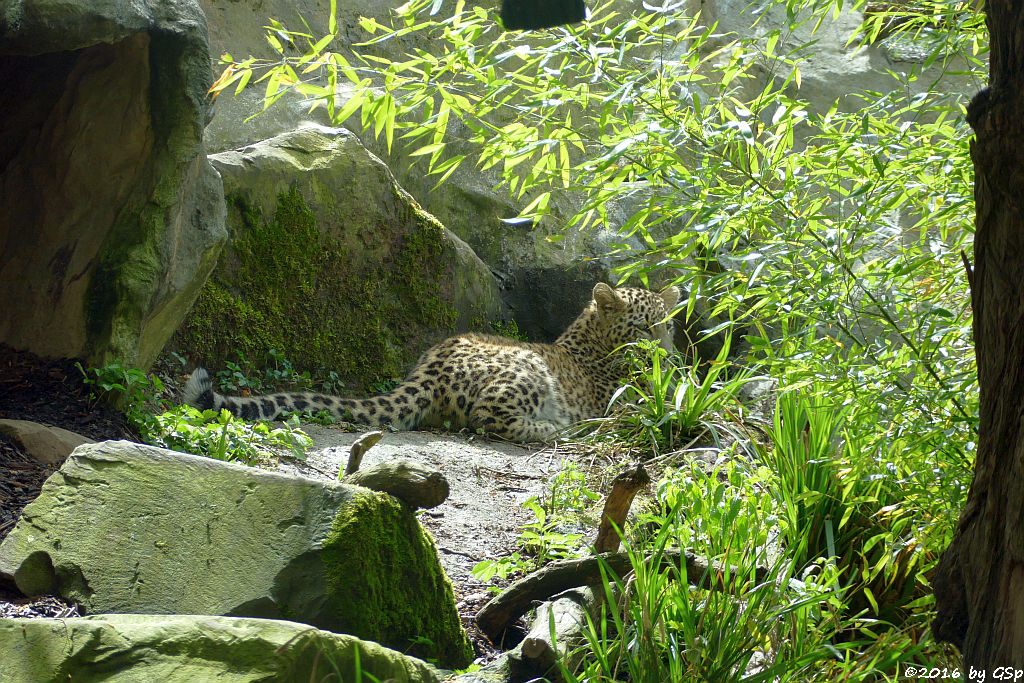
point(127, 528)
point(333, 264)
point(187, 648)
point(545, 283)
point(110, 215)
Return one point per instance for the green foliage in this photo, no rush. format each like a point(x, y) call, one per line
point(663, 629)
point(225, 437)
point(186, 429)
point(544, 538)
point(569, 491)
point(836, 502)
point(507, 328)
point(666, 404)
point(129, 389)
point(277, 374)
point(829, 236)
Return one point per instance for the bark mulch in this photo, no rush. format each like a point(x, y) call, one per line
point(48, 392)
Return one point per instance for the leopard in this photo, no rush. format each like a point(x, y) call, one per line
point(513, 390)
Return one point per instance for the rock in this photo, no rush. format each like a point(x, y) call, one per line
point(135, 647)
point(127, 528)
point(49, 445)
point(469, 204)
point(413, 483)
point(110, 215)
point(332, 264)
point(837, 70)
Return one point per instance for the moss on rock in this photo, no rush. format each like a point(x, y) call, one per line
point(402, 554)
point(289, 284)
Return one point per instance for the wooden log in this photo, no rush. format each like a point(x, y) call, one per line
point(514, 601)
point(616, 507)
point(539, 652)
point(420, 486)
point(359, 448)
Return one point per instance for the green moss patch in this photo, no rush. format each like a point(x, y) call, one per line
point(363, 302)
point(376, 543)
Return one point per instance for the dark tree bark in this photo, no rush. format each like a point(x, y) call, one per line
point(979, 582)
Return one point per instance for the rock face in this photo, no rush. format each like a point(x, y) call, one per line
point(110, 215)
point(187, 648)
point(126, 528)
point(333, 264)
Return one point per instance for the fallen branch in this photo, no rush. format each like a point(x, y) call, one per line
point(613, 519)
point(563, 575)
point(565, 615)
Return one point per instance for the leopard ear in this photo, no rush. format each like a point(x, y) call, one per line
point(670, 295)
point(607, 299)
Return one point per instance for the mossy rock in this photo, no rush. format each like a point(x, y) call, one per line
point(332, 264)
point(132, 529)
point(188, 648)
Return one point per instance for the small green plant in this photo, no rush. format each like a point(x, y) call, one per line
point(541, 539)
point(330, 382)
point(224, 437)
point(541, 543)
point(569, 490)
point(129, 389)
point(240, 377)
point(511, 565)
point(281, 373)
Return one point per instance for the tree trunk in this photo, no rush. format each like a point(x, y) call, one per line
point(979, 582)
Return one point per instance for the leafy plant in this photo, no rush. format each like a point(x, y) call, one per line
point(136, 393)
point(239, 378)
point(836, 503)
point(569, 491)
point(666, 403)
point(186, 429)
point(541, 542)
point(224, 437)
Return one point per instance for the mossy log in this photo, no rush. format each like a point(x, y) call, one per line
point(557, 577)
point(418, 485)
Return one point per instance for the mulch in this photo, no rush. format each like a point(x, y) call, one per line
point(48, 392)
point(53, 392)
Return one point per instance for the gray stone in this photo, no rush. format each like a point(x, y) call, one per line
point(127, 528)
point(49, 445)
point(333, 264)
point(110, 215)
point(469, 203)
point(127, 648)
